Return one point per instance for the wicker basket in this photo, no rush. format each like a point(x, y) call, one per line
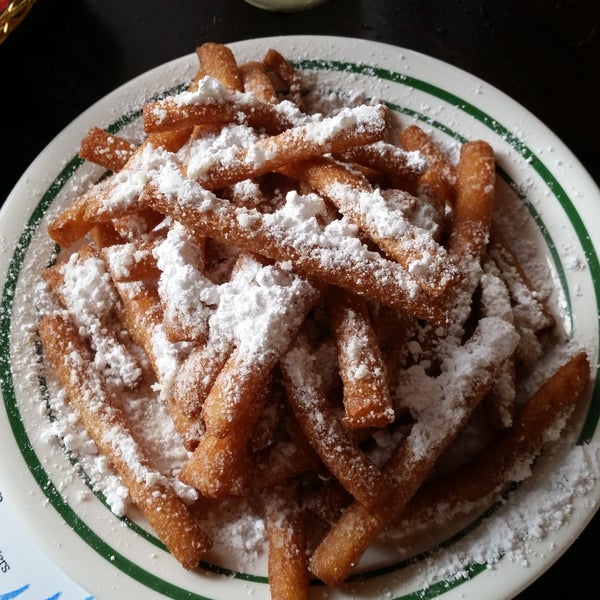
point(11, 15)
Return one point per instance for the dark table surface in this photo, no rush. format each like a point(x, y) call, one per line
point(68, 54)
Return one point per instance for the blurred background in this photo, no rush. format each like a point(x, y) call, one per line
point(66, 55)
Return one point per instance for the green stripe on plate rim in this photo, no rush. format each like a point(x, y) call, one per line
point(6, 382)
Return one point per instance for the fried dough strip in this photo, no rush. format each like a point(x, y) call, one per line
point(72, 223)
point(198, 373)
point(91, 207)
point(538, 421)
point(367, 400)
point(439, 178)
point(287, 537)
point(74, 282)
point(394, 331)
point(257, 82)
point(382, 219)
point(107, 426)
point(215, 60)
point(136, 261)
point(106, 149)
point(402, 166)
point(233, 391)
point(349, 264)
point(185, 292)
point(271, 466)
point(218, 61)
point(276, 63)
point(142, 315)
point(416, 454)
point(172, 140)
point(138, 224)
point(114, 198)
point(219, 460)
point(113, 153)
point(327, 501)
point(332, 134)
point(212, 103)
point(322, 427)
point(247, 368)
point(472, 214)
point(471, 222)
point(196, 376)
point(238, 393)
point(287, 456)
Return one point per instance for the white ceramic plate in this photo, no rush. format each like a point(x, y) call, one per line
point(559, 203)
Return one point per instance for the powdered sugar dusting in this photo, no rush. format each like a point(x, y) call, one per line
point(255, 307)
point(521, 529)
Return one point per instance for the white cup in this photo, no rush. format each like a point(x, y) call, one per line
point(285, 5)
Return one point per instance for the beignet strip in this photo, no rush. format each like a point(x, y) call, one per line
point(498, 404)
point(186, 293)
point(417, 453)
point(273, 465)
point(472, 212)
point(471, 222)
point(275, 62)
point(106, 149)
point(142, 315)
point(74, 282)
point(218, 61)
point(211, 103)
point(380, 216)
point(238, 389)
point(348, 263)
point(257, 82)
point(288, 546)
point(199, 372)
point(323, 429)
point(107, 426)
point(400, 165)
point(530, 310)
point(244, 373)
point(367, 401)
point(351, 128)
point(196, 376)
point(233, 391)
point(111, 198)
point(439, 178)
point(220, 460)
point(72, 223)
point(136, 261)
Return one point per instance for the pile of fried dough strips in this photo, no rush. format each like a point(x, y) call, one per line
point(321, 301)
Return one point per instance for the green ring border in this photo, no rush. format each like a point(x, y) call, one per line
point(6, 383)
